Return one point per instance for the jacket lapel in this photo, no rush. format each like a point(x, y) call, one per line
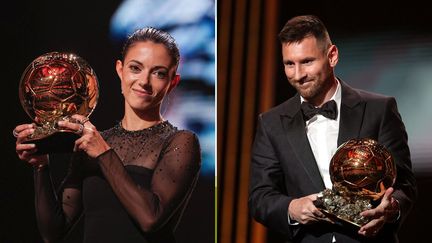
point(351, 114)
point(294, 127)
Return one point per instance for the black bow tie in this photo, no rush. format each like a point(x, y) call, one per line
point(328, 110)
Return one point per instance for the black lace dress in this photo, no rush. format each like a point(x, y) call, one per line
point(134, 192)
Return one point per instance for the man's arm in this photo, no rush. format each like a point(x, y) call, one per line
point(268, 199)
point(398, 200)
point(268, 202)
point(393, 136)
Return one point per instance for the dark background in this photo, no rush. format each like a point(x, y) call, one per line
point(30, 29)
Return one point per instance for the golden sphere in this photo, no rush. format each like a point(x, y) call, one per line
point(363, 167)
point(58, 85)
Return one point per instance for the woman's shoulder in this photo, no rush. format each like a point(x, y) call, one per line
point(185, 144)
point(183, 139)
point(184, 134)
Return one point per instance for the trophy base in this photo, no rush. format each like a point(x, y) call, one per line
point(58, 142)
point(342, 209)
point(339, 220)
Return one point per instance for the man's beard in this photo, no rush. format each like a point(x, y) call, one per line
point(315, 91)
point(312, 91)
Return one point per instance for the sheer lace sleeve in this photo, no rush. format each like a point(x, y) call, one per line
point(55, 216)
point(173, 180)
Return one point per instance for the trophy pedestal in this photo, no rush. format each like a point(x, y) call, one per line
point(58, 142)
point(342, 209)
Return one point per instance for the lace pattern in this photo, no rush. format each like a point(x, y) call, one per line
point(141, 147)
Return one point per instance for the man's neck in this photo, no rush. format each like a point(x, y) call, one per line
point(327, 95)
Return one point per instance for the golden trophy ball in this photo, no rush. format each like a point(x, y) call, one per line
point(52, 88)
point(361, 171)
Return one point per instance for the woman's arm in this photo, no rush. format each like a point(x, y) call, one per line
point(55, 216)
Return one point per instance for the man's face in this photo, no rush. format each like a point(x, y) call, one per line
point(309, 68)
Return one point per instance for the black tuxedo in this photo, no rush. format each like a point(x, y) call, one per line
point(284, 168)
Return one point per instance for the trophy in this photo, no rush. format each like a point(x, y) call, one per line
point(361, 170)
point(54, 87)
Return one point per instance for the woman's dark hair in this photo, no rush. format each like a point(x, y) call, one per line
point(154, 35)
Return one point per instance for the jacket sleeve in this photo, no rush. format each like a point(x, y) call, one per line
point(393, 136)
point(268, 201)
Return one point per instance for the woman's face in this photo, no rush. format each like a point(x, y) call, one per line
point(147, 75)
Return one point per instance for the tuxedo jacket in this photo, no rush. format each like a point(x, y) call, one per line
point(283, 166)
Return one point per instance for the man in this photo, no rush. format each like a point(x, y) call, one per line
point(293, 148)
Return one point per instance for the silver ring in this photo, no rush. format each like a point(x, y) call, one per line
point(84, 120)
point(15, 134)
point(80, 129)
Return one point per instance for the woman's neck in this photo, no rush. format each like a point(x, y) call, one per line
point(133, 121)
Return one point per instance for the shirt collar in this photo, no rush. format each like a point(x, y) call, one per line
point(337, 97)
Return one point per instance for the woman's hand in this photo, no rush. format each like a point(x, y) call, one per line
point(26, 151)
point(91, 141)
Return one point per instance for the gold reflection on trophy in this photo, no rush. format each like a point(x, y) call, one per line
point(361, 171)
point(54, 87)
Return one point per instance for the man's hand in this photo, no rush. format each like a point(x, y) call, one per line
point(386, 211)
point(304, 211)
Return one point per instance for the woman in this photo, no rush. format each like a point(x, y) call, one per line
point(133, 181)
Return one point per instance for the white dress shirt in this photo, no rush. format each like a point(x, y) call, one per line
point(322, 133)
